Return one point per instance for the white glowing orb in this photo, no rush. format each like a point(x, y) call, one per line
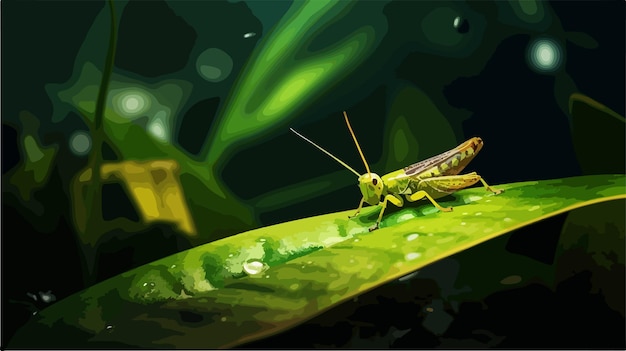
point(131, 103)
point(80, 143)
point(214, 65)
point(157, 129)
point(545, 55)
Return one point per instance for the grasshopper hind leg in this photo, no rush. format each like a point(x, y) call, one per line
point(489, 188)
point(422, 194)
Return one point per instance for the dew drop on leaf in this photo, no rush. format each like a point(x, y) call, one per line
point(253, 267)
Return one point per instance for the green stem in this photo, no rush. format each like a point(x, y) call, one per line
point(93, 199)
point(108, 70)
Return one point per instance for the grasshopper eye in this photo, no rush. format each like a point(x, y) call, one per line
point(374, 181)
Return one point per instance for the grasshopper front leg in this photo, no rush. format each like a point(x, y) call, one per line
point(394, 200)
point(358, 210)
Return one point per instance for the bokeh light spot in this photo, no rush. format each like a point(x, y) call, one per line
point(157, 130)
point(544, 55)
point(158, 126)
point(214, 65)
point(132, 102)
point(80, 143)
point(210, 72)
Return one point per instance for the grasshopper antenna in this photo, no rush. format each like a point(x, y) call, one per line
point(326, 152)
point(367, 167)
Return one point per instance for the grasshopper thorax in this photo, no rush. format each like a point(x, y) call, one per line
point(372, 188)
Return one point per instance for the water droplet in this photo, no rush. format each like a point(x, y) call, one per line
point(464, 213)
point(474, 198)
point(173, 266)
point(412, 237)
point(413, 255)
point(445, 240)
point(267, 276)
point(249, 35)
point(463, 223)
point(47, 297)
point(488, 200)
point(351, 261)
point(262, 240)
point(145, 284)
point(534, 208)
point(394, 246)
point(230, 255)
point(507, 219)
point(294, 286)
point(303, 266)
point(32, 296)
point(309, 262)
point(109, 326)
point(34, 313)
point(429, 309)
point(253, 267)
point(430, 234)
point(421, 227)
point(479, 213)
point(461, 24)
point(405, 217)
point(356, 240)
point(370, 266)
point(408, 276)
point(152, 284)
point(223, 319)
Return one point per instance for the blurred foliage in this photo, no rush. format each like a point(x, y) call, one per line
point(599, 135)
point(293, 66)
point(414, 133)
point(200, 97)
point(35, 164)
point(270, 279)
point(594, 244)
point(269, 73)
point(154, 188)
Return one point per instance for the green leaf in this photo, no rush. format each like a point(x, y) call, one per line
point(267, 280)
point(290, 69)
point(597, 130)
point(36, 162)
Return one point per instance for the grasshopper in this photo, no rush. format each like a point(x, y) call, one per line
point(432, 178)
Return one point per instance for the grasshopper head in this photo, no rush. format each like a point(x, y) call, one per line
point(371, 187)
